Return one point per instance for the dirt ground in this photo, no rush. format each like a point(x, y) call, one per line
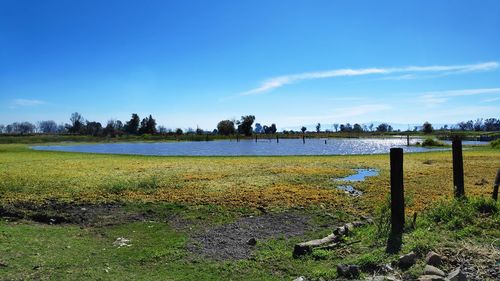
point(234, 240)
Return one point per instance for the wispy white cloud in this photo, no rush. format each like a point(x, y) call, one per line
point(407, 71)
point(438, 97)
point(25, 103)
point(491, 100)
point(344, 113)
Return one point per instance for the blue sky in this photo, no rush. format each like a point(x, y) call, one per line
point(290, 62)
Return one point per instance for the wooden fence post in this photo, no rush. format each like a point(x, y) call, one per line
point(495, 187)
point(237, 138)
point(277, 139)
point(407, 140)
point(397, 201)
point(458, 167)
point(303, 139)
point(255, 138)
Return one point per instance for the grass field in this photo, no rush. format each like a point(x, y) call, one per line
point(193, 194)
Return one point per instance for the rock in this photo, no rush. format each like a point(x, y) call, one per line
point(253, 242)
point(432, 278)
point(457, 275)
point(348, 271)
point(301, 278)
point(433, 258)
point(407, 261)
point(431, 270)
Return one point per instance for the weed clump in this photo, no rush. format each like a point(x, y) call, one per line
point(432, 142)
point(495, 144)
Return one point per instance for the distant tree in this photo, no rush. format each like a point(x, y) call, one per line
point(478, 124)
point(179, 131)
point(466, 126)
point(357, 128)
point(77, 123)
point(371, 127)
point(258, 128)
point(132, 126)
point(492, 124)
point(47, 127)
point(199, 131)
point(162, 129)
point(148, 125)
point(336, 126)
point(318, 128)
point(245, 125)
point(383, 128)
point(346, 128)
point(273, 128)
point(92, 128)
point(214, 132)
point(113, 127)
point(63, 128)
point(303, 129)
point(266, 129)
point(427, 128)
point(21, 128)
point(2, 129)
point(226, 127)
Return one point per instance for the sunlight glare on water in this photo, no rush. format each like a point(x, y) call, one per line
point(245, 147)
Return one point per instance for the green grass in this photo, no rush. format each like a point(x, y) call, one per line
point(210, 191)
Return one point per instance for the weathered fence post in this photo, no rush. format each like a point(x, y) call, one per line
point(237, 138)
point(458, 167)
point(277, 139)
point(303, 139)
point(495, 187)
point(397, 201)
point(255, 138)
point(407, 140)
point(325, 141)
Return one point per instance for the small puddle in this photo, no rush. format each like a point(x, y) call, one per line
point(360, 175)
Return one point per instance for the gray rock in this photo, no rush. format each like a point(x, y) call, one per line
point(432, 270)
point(431, 278)
point(433, 258)
point(408, 260)
point(301, 278)
point(348, 271)
point(457, 275)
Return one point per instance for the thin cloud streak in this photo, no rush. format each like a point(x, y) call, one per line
point(24, 103)
point(345, 112)
point(438, 97)
point(280, 81)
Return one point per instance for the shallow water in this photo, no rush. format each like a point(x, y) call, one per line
point(245, 147)
point(360, 175)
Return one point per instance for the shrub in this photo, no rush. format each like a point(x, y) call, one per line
point(432, 142)
point(495, 144)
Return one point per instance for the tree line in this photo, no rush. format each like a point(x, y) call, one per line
point(244, 126)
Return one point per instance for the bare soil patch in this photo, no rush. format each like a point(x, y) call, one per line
point(236, 240)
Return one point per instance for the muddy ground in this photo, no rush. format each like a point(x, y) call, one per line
point(224, 242)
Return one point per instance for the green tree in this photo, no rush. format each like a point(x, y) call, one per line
point(226, 127)
point(303, 129)
point(77, 123)
point(245, 125)
point(318, 128)
point(427, 128)
point(132, 126)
